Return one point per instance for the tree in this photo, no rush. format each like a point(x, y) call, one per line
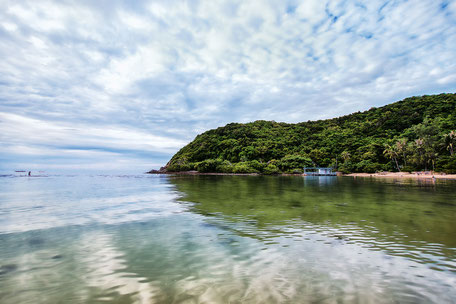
point(451, 141)
point(431, 156)
point(345, 155)
point(391, 153)
point(419, 146)
point(401, 147)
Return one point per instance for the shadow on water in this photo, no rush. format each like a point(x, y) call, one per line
point(401, 217)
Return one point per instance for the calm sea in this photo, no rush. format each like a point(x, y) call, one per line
point(226, 239)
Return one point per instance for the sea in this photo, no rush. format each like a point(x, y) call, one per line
point(140, 238)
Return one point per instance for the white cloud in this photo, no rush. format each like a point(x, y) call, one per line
point(122, 74)
point(9, 26)
point(41, 17)
point(313, 11)
point(116, 74)
point(24, 130)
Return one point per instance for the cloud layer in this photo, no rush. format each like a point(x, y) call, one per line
point(116, 85)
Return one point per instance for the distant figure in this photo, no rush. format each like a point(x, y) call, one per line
point(30, 173)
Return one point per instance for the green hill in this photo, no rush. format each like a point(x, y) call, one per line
point(416, 133)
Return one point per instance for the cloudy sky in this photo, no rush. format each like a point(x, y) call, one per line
point(122, 85)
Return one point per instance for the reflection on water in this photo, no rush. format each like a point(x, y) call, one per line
point(401, 217)
point(223, 239)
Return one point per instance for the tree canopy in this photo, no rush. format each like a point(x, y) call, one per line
point(417, 133)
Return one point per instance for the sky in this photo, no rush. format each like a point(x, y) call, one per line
point(122, 85)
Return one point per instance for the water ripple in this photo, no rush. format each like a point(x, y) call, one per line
point(147, 239)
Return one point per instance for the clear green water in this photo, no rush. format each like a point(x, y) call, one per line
point(226, 239)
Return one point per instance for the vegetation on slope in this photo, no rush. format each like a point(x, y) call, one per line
point(417, 133)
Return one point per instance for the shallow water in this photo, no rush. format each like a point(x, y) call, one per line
point(226, 239)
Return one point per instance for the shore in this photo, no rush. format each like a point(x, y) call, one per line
point(200, 173)
point(415, 175)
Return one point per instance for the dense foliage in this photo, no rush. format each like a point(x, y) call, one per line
point(417, 133)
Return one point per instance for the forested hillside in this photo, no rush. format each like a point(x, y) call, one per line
point(417, 133)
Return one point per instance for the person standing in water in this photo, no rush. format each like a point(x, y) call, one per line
point(30, 172)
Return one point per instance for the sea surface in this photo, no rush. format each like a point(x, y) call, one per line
point(226, 239)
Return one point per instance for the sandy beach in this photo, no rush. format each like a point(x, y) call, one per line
point(420, 175)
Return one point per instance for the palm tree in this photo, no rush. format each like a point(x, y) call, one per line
point(345, 155)
point(391, 153)
point(431, 156)
point(451, 139)
point(419, 143)
point(401, 146)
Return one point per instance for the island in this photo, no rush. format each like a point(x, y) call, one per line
point(417, 134)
